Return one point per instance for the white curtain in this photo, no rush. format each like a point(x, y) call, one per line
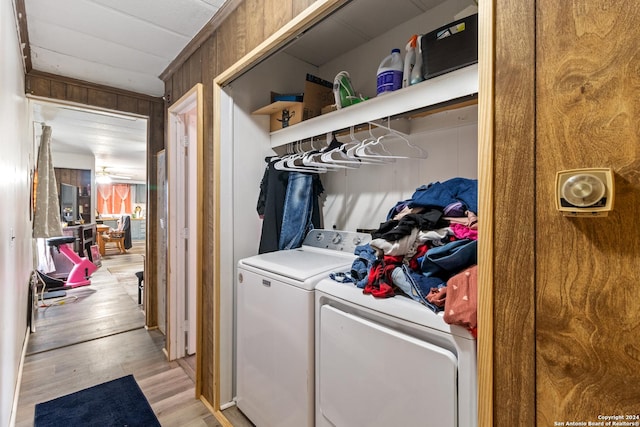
point(123, 193)
point(46, 220)
point(105, 193)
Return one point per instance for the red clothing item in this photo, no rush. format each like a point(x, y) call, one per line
point(380, 283)
point(420, 251)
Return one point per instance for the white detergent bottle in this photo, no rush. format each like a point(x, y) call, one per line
point(409, 61)
point(390, 73)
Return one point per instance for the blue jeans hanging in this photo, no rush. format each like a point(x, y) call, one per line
point(296, 219)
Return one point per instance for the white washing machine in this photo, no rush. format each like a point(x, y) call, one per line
point(390, 362)
point(275, 326)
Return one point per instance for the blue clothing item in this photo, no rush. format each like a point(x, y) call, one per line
point(442, 194)
point(298, 206)
point(415, 285)
point(445, 261)
point(362, 265)
point(342, 277)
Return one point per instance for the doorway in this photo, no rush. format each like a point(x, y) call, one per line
point(84, 141)
point(184, 173)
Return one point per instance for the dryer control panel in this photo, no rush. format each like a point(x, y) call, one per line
point(343, 241)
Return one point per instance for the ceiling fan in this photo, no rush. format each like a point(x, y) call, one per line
point(104, 177)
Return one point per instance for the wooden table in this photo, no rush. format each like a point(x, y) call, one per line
point(101, 228)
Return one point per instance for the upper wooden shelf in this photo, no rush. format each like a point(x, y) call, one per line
point(458, 84)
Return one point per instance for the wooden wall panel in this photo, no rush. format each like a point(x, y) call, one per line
point(207, 353)
point(127, 103)
point(58, 90)
point(276, 14)
point(231, 37)
point(177, 85)
point(195, 68)
point(514, 183)
point(76, 93)
point(155, 144)
point(299, 6)
point(143, 107)
point(102, 99)
point(40, 86)
point(255, 24)
point(588, 297)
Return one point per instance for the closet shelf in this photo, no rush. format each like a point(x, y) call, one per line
point(458, 84)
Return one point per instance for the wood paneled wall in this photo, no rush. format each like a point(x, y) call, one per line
point(248, 25)
point(587, 269)
point(513, 260)
point(71, 90)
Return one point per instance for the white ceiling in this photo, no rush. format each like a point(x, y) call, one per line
point(124, 44)
point(117, 142)
point(120, 43)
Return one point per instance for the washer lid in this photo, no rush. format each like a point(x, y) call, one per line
point(299, 264)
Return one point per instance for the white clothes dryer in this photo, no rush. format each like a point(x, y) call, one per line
point(275, 326)
point(390, 362)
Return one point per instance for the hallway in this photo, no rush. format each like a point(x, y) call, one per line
point(98, 335)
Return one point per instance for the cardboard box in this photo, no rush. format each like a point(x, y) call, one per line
point(318, 93)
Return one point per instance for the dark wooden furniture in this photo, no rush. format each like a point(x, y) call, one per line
point(85, 235)
point(80, 178)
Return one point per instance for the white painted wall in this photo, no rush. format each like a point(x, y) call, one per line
point(16, 255)
point(361, 198)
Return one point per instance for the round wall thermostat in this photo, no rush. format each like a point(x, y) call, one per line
point(583, 190)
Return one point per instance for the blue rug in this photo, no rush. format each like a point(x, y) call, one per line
point(115, 403)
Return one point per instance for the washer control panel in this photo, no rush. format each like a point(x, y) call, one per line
point(343, 241)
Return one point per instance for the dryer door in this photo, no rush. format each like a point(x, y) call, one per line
point(371, 375)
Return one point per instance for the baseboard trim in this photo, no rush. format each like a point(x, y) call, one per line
point(16, 393)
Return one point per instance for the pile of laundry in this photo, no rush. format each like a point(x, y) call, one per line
point(426, 250)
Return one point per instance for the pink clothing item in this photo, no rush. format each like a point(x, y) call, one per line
point(437, 296)
point(464, 232)
point(461, 304)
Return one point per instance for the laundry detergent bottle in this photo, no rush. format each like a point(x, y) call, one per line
point(409, 60)
point(416, 70)
point(390, 73)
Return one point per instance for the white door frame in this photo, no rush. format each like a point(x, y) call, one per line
point(184, 172)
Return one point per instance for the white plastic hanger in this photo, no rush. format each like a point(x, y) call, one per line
point(375, 147)
point(338, 157)
point(314, 158)
point(365, 150)
point(292, 162)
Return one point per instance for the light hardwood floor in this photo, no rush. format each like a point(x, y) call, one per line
point(97, 335)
